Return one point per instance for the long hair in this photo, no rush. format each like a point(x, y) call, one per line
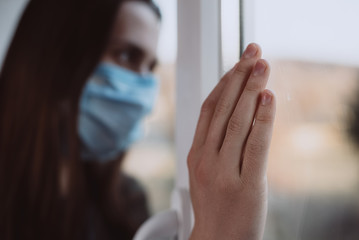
point(55, 48)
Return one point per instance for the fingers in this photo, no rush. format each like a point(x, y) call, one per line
point(241, 121)
point(207, 110)
point(206, 114)
point(257, 147)
point(229, 97)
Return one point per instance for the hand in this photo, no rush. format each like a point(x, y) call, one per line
point(228, 158)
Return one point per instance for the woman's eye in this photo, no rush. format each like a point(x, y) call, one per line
point(129, 58)
point(123, 57)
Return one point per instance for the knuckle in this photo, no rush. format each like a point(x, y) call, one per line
point(241, 70)
point(235, 124)
point(202, 175)
point(222, 107)
point(226, 185)
point(253, 85)
point(208, 105)
point(264, 117)
point(191, 159)
point(254, 147)
point(226, 77)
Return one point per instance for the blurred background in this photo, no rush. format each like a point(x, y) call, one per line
point(314, 162)
point(312, 46)
point(313, 167)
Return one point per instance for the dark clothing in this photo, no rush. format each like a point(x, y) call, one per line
point(117, 206)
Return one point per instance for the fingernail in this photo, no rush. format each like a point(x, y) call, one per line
point(251, 51)
point(266, 98)
point(259, 68)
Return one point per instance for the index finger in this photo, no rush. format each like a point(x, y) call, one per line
point(230, 95)
point(207, 110)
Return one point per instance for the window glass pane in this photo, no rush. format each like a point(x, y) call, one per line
point(313, 165)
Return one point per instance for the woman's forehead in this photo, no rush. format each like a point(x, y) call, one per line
point(137, 23)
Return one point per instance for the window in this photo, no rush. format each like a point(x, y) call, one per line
point(313, 165)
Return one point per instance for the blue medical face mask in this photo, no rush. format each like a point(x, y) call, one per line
point(112, 105)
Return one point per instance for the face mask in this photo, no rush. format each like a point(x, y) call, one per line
point(112, 105)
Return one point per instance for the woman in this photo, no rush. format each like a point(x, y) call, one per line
point(65, 40)
point(46, 163)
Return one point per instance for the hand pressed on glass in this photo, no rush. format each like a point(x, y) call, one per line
point(228, 158)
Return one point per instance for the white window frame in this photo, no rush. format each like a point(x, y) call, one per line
point(198, 71)
point(199, 68)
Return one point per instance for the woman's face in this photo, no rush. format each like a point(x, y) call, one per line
point(133, 42)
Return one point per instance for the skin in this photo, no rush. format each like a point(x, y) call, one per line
point(133, 42)
point(228, 158)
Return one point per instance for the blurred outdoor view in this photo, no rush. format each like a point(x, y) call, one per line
point(313, 167)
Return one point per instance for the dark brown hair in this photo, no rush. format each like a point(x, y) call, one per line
point(55, 48)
